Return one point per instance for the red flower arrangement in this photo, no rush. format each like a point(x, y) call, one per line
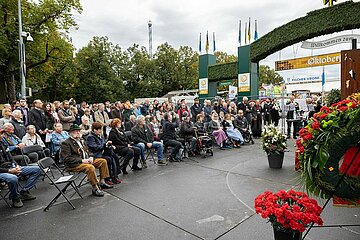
point(288, 211)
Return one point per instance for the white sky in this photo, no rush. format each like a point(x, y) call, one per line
point(179, 23)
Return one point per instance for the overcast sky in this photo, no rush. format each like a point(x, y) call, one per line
point(179, 23)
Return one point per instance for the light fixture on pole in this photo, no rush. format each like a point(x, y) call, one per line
point(29, 38)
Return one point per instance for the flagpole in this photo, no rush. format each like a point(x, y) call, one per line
point(239, 33)
point(245, 33)
point(323, 86)
point(200, 44)
point(214, 46)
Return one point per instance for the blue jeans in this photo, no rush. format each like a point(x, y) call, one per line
point(31, 172)
point(156, 145)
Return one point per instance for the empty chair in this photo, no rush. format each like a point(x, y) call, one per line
point(66, 180)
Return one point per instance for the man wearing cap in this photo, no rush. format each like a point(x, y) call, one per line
point(77, 158)
point(195, 109)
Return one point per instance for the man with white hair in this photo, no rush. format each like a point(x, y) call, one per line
point(244, 105)
point(144, 139)
point(19, 126)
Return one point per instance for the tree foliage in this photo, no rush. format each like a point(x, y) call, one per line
point(268, 76)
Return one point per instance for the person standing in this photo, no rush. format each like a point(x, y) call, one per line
point(292, 107)
point(24, 111)
point(266, 109)
point(256, 112)
point(195, 109)
point(66, 116)
point(38, 118)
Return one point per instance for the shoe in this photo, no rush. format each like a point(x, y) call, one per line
point(172, 159)
point(136, 168)
point(97, 193)
point(161, 163)
point(123, 170)
point(109, 182)
point(144, 164)
point(116, 180)
point(105, 186)
point(17, 203)
point(26, 196)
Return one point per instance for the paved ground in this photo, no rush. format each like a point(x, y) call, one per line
point(199, 198)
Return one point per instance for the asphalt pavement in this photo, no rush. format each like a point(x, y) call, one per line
point(199, 198)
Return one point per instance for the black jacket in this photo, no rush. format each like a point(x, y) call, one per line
point(119, 139)
point(19, 128)
point(241, 123)
point(187, 130)
point(169, 132)
point(38, 119)
point(195, 110)
point(142, 135)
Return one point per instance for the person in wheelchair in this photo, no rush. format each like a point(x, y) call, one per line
point(241, 123)
point(187, 132)
point(233, 133)
point(199, 124)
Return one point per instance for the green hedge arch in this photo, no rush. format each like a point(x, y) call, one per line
point(340, 17)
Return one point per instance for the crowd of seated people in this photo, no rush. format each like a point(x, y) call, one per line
point(110, 136)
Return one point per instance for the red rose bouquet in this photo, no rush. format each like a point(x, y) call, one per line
point(288, 211)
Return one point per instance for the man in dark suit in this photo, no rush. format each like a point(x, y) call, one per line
point(24, 111)
point(77, 158)
point(38, 118)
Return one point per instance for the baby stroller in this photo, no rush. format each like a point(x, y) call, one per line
point(204, 144)
point(247, 135)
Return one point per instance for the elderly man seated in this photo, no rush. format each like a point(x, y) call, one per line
point(143, 138)
point(14, 144)
point(9, 173)
point(77, 158)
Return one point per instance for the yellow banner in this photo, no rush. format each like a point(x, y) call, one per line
point(306, 62)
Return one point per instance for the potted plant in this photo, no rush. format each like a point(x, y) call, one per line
point(288, 212)
point(274, 144)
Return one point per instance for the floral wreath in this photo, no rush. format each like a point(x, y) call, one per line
point(329, 135)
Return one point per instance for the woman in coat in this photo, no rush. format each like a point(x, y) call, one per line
point(123, 146)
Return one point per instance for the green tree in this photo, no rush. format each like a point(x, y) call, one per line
point(43, 19)
point(268, 76)
point(98, 80)
point(223, 57)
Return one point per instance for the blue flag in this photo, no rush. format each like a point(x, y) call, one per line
point(240, 32)
point(323, 77)
point(256, 32)
point(200, 44)
point(214, 42)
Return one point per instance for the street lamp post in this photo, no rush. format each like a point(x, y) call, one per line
point(21, 54)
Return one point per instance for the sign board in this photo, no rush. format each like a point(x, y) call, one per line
point(225, 83)
point(330, 42)
point(244, 82)
point(232, 92)
point(203, 86)
point(306, 62)
point(303, 79)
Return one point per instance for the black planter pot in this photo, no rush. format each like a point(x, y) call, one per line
point(275, 160)
point(279, 235)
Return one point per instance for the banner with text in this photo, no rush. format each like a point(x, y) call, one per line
point(306, 62)
point(244, 82)
point(203, 86)
point(330, 42)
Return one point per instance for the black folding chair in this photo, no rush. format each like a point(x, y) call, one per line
point(4, 193)
point(67, 180)
point(150, 153)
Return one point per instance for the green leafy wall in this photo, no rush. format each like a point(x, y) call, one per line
point(340, 17)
